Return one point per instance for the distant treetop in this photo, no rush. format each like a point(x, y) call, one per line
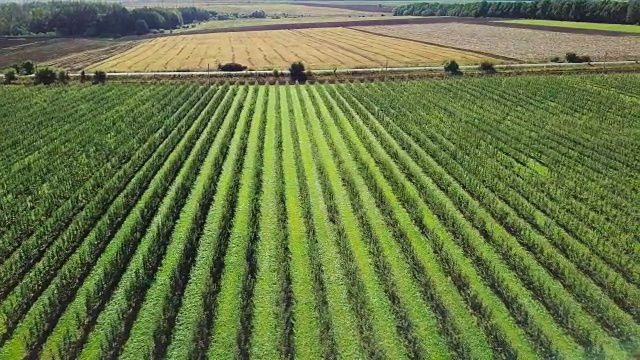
point(92, 19)
point(599, 11)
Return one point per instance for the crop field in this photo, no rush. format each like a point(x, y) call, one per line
point(480, 218)
point(277, 49)
point(523, 44)
point(632, 29)
point(311, 22)
point(270, 8)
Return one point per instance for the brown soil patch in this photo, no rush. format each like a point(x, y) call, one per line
point(16, 42)
point(69, 54)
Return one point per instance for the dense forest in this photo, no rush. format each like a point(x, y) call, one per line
point(601, 11)
point(92, 19)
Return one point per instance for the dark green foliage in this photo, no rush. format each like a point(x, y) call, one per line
point(9, 75)
point(487, 67)
point(63, 77)
point(232, 67)
point(633, 12)
point(92, 18)
point(260, 14)
point(27, 67)
point(572, 57)
point(600, 11)
point(45, 76)
point(451, 67)
point(556, 59)
point(142, 27)
point(297, 72)
point(99, 77)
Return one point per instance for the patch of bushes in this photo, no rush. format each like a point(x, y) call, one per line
point(45, 76)
point(297, 73)
point(24, 68)
point(232, 67)
point(572, 57)
point(62, 77)
point(10, 76)
point(99, 77)
point(451, 67)
point(487, 68)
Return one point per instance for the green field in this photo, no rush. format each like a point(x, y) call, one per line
point(465, 218)
point(633, 29)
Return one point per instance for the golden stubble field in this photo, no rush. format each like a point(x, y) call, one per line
point(277, 49)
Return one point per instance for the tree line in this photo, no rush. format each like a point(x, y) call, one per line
point(600, 11)
point(92, 19)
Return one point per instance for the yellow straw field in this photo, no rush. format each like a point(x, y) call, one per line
point(276, 49)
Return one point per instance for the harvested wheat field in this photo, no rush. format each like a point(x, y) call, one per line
point(317, 48)
point(524, 44)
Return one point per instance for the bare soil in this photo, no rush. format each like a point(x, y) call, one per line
point(523, 44)
point(65, 53)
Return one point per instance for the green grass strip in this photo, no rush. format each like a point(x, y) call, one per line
point(268, 328)
point(345, 332)
point(306, 319)
point(228, 310)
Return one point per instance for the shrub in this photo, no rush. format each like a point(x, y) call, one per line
point(99, 77)
point(232, 67)
point(63, 77)
point(487, 68)
point(451, 67)
point(10, 75)
point(83, 76)
point(27, 67)
point(45, 76)
point(297, 72)
point(572, 57)
point(556, 59)
point(276, 73)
